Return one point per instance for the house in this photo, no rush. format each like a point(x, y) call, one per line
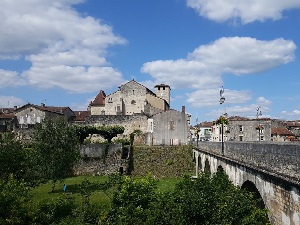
point(8, 120)
point(30, 114)
point(294, 127)
point(170, 127)
point(281, 134)
point(132, 98)
point(205, 131)
point(243, 129)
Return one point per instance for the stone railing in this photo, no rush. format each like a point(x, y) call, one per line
point(282, 159)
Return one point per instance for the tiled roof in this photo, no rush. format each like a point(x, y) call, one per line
point(6, 115)
point(281, 131)
point(6, 110)
point(81, 115)
point(99, 99)
point(292, 124)
point(206, 124)
point(238, 118)
point(55, 109)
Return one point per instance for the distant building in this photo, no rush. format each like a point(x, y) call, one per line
point(281, 134)
point(168, 128)
point(30, 114)
point(8, 121)
point(132, 98)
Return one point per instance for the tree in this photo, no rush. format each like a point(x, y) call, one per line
point(205, 200)
point(12, 156)
point(14, 198)
point(107, 132)
point(57, 149)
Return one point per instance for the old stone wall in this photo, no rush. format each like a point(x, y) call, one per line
point(93, 161)
point(129, 122)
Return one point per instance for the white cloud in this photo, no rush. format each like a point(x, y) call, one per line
point(66, 49)
point(244, 55)
point(245, 11)
point(202, 69)
point(74, 79)
point(262, 101)
point(182, 73)
point(10, 79)
point(291, 115)
point(210, 97)
point(10, 101)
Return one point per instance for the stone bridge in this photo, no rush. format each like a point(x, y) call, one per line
point(269, 170)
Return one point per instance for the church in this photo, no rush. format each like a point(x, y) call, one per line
point(135, 107)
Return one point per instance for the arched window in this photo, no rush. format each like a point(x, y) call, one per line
point(133, 102)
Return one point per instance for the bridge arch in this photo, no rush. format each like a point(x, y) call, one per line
point(250, 187)
point(207, 168)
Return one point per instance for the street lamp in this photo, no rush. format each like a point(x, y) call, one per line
point(259, 127)
point(222, 100)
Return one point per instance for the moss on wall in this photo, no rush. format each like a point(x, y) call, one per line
point(163, 161)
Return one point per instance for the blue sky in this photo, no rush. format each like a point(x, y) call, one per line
point(62, 52)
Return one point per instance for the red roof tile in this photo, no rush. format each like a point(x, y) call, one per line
point(281, 131)
point(99, 99)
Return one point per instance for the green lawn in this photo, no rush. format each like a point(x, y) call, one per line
point(43, 191)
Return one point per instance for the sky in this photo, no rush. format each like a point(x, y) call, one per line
point(63, 52)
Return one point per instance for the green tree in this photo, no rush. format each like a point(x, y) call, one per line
point(57, 149)
point(133, 201)
point(107, 132)
point(12, 156)
point(14, 200)
point(205, 200)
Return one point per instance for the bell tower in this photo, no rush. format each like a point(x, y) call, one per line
point(163, 91)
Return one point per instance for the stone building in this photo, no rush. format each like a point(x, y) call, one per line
point(135, 107)
point(8, 121)
point(132, 98)
point(243, 129)
point(30, 114)
point(168, 128)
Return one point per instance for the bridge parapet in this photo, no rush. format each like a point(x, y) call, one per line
point(276, 158)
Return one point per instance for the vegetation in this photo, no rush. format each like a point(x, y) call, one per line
point(107, 132)
point(56, 149)
point(124, 199)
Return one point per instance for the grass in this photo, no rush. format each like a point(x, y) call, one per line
point(43, 192)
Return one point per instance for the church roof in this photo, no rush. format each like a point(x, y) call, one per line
point(99, 99)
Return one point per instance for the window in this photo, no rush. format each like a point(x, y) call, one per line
point(133, 92)
point(172, 125)
point(241, 138)
point(241, 128)
point(103, 112)
point(133, 102)
point(110, 100)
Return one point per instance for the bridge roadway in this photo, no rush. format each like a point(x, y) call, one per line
point(270, 170)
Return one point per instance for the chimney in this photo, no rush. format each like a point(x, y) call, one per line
point(43, 104)
point(183, 109)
